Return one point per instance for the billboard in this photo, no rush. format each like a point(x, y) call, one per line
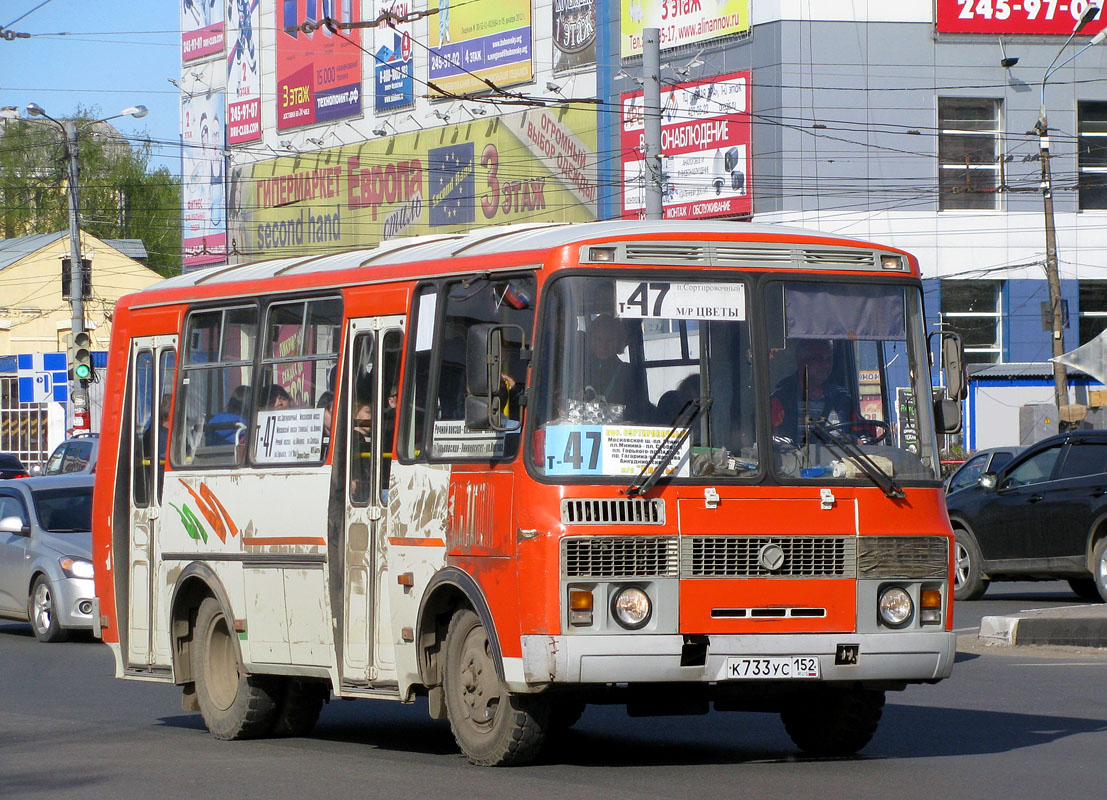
point(318, 72)
point(705, 145)
point(574, 34)
point(1033, 17)
point(243, 77)
point(682, 22)
point(203, 230)
point(201, 29)
point(394, 64)
point(480, 40)
point(531, 166)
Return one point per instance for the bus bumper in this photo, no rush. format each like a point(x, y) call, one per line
point(909, 657)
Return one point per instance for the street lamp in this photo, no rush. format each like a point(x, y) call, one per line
point(1053, 280)
point(77, 391)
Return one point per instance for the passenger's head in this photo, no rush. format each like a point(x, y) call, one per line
point(363, 419)
point(276, 397)
point(239, 401)
point(606, 337)
point(814, 360)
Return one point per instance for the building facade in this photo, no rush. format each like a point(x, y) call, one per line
point(911, 123)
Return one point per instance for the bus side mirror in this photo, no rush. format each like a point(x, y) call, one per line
point(953, 365)
point(484, 368)
point(947, 415)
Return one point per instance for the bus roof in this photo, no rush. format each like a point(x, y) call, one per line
point(496, 240)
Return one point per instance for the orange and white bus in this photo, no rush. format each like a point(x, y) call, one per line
point(670, 465)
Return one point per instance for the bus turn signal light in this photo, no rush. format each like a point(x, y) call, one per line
point(580, 607)
point(930, 606)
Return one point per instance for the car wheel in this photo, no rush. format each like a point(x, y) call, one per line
point(968, 578)
point(1085, 589)
point(492, 726)
point(1099, 567)
point(42, 612)
point(234, 705)
point(833, 722)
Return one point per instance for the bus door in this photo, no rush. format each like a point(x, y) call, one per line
point(153, 367)
point(371, 381)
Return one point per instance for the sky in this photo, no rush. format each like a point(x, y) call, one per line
point(112, 54)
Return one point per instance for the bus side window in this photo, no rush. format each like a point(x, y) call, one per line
point(210, 419)
point(142, 412)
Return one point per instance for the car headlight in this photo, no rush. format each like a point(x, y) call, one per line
point(631, 607)
point(75, 567)
point(896, 607)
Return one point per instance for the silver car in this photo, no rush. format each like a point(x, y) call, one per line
point(46, 554)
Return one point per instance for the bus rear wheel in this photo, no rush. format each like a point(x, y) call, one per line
point(833, 722)
point(234, 705)
point(492, 726)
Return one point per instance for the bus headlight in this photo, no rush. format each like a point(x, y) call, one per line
point(895, 607)
point(631, 607)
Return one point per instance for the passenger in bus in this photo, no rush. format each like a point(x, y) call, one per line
point(275, 397)
point(611, 379)
point(809, 393)
point(362, 446)
point(227, 426)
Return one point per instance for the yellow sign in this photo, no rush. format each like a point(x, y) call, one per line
point(537, 165)
point(682, 21)
point(479, 40)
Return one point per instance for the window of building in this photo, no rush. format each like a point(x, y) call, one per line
point(968, 153)
point(1093, 309)
point(973, 309)
point(1092, 125)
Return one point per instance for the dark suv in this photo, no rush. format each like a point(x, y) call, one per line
point(1043, 516)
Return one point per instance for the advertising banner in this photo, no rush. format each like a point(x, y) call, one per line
point(394, 65)
point(201, 29)
point(480, 40)
point(705, 145)
point(204, 230)
point(318, 73)
point(532, 166)
point(1033, 17)
point(682, 22)
point(574, 34)
point(243, 77)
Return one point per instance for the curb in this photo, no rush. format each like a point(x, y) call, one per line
point(1080, 626)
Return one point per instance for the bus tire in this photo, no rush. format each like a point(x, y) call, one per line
point(298, 711)
point(492, 726)
point(969, 582)
point(833, 722)
point(234, 705)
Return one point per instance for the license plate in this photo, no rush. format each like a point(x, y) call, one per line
point(773, 667)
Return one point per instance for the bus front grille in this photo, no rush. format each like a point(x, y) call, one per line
point(903, 557)
point(620, 557)
point(613, 511)
point(768, 557)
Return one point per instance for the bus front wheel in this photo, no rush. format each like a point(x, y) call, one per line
point(492, 726)
point(234, 705)
point(833, 722)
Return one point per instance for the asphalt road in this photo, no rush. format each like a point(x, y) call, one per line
point(1011, 722)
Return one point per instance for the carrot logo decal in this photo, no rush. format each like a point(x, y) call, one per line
point(213, 510)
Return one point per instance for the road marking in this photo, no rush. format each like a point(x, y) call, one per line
point(1063, 664)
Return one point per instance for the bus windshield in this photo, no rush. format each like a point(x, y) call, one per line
point(661, 364)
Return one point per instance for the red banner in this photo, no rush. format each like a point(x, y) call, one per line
point(1035, 17)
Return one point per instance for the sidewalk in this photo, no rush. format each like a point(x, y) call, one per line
point(1080, 626)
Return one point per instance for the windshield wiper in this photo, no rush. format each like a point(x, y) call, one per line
point(881, 478)
point(669, 446)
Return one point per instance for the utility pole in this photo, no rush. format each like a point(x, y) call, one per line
point(78, 394)
point(651, 119)
point(1053, 278)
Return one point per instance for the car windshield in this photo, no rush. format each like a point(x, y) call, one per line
point(64, 510)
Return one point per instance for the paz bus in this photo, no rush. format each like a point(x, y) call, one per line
point(677, 466)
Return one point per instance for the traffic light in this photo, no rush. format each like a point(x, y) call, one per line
point(80, 356)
